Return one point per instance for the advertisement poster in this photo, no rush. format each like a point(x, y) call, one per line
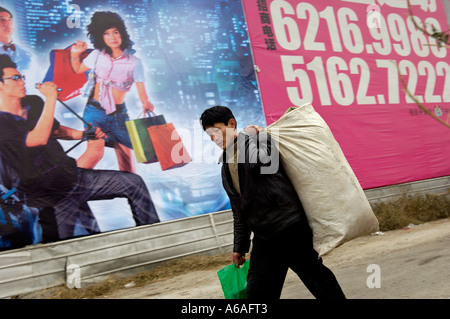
point(187, 54)
point(353, 61)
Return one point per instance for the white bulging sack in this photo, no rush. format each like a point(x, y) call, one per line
point(335, 204)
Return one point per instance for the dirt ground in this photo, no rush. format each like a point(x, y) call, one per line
point(408, 263)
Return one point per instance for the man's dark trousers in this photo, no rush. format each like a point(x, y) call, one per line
point(290, 248)
point(101, 185)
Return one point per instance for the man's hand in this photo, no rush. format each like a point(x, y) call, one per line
point(40, 134)
point(253, 129)
point(238, 259)
point(94, 133)
point(49, 90)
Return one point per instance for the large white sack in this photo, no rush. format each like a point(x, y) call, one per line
point(335, 204)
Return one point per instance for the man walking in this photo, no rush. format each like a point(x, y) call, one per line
point(264, 202)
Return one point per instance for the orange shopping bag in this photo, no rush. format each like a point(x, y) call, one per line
point(169, 147)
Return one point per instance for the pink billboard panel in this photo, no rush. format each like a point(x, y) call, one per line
point(356, 61)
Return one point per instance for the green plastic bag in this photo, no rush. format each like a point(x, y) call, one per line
point(234, 281)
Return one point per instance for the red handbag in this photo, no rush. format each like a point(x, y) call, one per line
point(169, 147)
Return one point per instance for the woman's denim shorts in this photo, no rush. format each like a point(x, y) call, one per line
point(112, 124)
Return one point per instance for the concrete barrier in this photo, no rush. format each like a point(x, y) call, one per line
point(41, 266)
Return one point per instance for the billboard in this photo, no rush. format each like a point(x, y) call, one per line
point(357, 61)
point(189, 55)
point(354, 60)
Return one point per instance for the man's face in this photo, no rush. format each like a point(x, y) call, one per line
point(12, 87)
point(221, 134)
point(6, 24)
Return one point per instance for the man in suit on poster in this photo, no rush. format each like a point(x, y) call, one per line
point(15, 51)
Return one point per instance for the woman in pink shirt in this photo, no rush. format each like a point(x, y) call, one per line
point(115, 70)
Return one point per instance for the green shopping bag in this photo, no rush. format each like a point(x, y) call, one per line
point(140, 139)
point(234, 281)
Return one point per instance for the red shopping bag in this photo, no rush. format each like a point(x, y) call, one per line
point(61, 73)
point(169, 147)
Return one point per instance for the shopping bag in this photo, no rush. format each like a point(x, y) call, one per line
point(169, 147)
point(335, 204)
point(61, 73)
point(234, 281)
point(140, 138)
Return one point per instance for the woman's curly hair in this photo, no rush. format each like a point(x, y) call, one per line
point(102, 21)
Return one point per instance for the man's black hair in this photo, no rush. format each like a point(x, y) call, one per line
point(216, 114)
point(6, 10)
point(5, 62)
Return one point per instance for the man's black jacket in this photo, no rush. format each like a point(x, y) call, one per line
point(267, 202)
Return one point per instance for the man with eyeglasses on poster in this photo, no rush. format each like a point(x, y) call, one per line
point(48, 177)
point(36, 224)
